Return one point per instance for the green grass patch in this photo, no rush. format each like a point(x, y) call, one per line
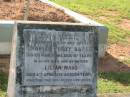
point(3, 85)
point(89, 6)
point(114, 82)
point(108, 12)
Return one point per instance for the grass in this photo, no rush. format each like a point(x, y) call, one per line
point(3, 85)
point(114, 82)
point(108, 12)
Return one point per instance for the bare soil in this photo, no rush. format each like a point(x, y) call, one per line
point(125, 24)
point(38, 11)
point(110, 13)
point(115, 59)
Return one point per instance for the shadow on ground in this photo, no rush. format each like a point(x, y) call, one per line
point(111, 68)
point(121, 77)
point(111, 64)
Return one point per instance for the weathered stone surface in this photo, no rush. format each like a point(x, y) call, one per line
point(53, 60)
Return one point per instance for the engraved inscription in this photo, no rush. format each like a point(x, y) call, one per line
point(58, 57)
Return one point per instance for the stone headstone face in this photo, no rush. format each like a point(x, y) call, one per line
point(53, 60)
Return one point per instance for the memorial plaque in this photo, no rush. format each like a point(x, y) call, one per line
point(54, 60)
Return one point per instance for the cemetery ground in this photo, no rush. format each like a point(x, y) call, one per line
point(114, 68)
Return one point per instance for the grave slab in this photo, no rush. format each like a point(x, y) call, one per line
point(53, 60)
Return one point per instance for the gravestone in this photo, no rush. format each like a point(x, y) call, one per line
point(53, 60)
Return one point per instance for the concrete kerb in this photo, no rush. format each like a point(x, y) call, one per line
point(6, 29)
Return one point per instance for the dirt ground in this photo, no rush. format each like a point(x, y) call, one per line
point(38, 11)
point(125, 24)
point(116, 59)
